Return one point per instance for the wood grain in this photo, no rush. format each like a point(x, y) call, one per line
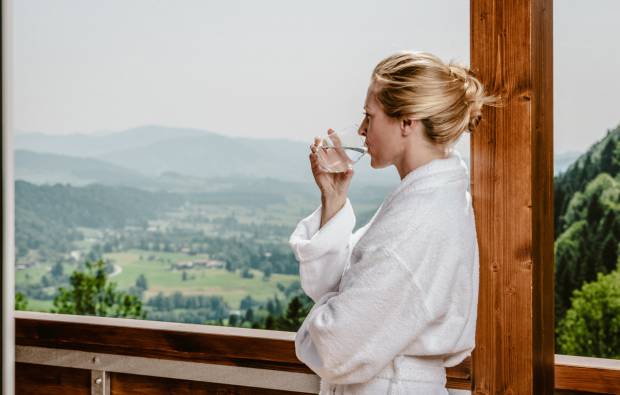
point(33, 379)
point(511, 184)
point(187, 345)
point(128, 384)
point(253, 348)
point(592, 375)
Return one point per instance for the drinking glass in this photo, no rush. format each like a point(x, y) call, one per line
point(340, 150)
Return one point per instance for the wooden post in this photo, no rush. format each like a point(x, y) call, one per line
point(512, 188)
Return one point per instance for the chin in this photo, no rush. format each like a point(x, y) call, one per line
point(374, 164)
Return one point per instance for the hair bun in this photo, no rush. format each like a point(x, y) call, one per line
point(475, 99)
point(474, 92)
point(474, 120)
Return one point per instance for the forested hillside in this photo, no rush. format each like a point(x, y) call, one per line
point(46, 216)
point(587, 230)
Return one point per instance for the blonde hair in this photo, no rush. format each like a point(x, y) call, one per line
point(446, 98)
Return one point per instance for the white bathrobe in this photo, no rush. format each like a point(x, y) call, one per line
point(396, 301)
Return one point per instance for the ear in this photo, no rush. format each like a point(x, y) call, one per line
point(407, 125)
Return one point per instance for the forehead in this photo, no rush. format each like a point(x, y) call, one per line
point(371, 96)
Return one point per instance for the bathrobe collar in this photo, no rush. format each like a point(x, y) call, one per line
point(434, 173)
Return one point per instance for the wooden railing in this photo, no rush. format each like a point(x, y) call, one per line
point(104, 355)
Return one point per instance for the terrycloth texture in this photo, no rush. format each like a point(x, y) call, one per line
point(396, 301)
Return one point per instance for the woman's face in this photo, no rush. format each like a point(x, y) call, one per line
point(383, 134)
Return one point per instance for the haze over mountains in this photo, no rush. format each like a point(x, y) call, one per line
point(177, 159)
point(155, 157)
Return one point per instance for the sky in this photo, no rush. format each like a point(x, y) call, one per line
point(270, 69)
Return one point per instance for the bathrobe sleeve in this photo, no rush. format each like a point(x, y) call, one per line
point(351, 335)
point(323, 253)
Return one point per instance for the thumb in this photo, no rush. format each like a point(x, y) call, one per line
point(349, 172)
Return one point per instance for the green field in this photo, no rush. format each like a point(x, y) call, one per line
point(157, 270)
point(40, 305)
point(201, 281)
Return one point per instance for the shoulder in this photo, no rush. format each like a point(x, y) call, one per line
point(406, 214)
point(417, 219)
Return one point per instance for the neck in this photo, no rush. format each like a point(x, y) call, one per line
point(413, 160)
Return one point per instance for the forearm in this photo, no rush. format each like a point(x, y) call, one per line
point(330, 206)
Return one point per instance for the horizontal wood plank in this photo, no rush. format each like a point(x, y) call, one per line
point(171, 369)
point(129, 384)
point(255, 348)
point(196, 343)
point(595, 375)
point(189, 342)
point(32, 379)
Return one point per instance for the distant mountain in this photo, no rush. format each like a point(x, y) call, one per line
point(46, 216)
point(563, 160)
point(181, 158)
point(85, 145)
point(222, 156)
point(160, 152)
point(95, 206)
point(215, 156)
point(40, 168)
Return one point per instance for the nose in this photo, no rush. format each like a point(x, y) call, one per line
point(362, 129)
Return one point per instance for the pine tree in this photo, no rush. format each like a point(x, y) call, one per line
point(295, 314)
point(57, 270)
point(249, 315)
point(246, 303)
point(270, 307)
point(141, 282)
point(269, 322)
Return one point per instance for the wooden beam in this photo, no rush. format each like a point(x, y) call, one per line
point(254, 348)
point(512, 176)
point(587, 374)
point(190, 343)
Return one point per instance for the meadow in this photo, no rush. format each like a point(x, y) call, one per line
point(161, 277)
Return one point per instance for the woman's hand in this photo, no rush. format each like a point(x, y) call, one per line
point(333, 186)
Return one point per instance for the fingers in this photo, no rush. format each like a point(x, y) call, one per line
point(314, 147)
point(315, 144)
point(335, 138)
point(337, 143)
point(314, 165)
point(313, 156)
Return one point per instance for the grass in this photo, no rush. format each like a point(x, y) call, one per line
point(201, 281)
point(32, 275)
point(40, 305)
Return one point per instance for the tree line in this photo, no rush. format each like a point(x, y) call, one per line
point(587, 231)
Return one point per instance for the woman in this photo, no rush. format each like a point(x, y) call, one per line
point(396, 301)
